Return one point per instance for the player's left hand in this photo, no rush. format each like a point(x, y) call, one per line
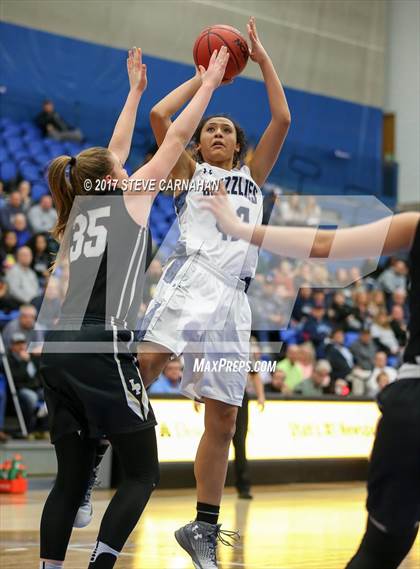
point(137, 70)
point(257, 52)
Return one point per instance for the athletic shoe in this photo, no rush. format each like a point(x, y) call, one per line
point(85, 511)
point(199, 539)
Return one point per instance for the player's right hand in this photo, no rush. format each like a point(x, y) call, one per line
point(137, 70)
point(213, 75)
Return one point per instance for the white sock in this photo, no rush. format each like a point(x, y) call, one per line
point(51, 565)
point(101, 547)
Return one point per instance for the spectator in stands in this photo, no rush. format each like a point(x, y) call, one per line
point(24, 324)
point(340, 357)
point(312, 212)
point(22, 280)
point(382, 380)
point(315, 384)
point(48, 304)
point(8, 211)
point(24, 370)
point(339, 311)
point(377, 302)
point(303, 304)
point(290, 366)
point(41, 256)
point(278, 383)
point(381, 365)
point(169, 379)
point(393, 278)
point(54, 126)
point(8, 250)
point(399, 298)
point(383, 334)
point(7, 302)
point(20, 227)
point(291, 210)
point(306, 359)
point(364, 350)
point(398, 324)
point(361, 316)
point(42, 216)
point(24, 188)
point(317, 329)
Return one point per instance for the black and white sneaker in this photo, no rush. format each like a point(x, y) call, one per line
point(199, 540)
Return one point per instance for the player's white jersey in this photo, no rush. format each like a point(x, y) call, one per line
point(198, 227)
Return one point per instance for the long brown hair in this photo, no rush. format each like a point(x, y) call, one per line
point(67, 176)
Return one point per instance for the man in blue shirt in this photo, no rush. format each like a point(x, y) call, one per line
point(168, 381)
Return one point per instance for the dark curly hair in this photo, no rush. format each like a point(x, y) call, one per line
point(240, 138)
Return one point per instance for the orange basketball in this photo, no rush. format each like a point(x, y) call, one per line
point(213, 38)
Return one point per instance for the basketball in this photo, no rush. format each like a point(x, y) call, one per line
point(213, 38)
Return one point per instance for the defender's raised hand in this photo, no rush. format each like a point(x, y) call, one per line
point(137, 70)
point(213, 75)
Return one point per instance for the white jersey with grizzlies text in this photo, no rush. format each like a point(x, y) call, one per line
point(198, 227)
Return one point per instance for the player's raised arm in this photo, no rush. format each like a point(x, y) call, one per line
point(271, 142)
point(160, 121)
point(120, 142)
point(386, 236)
point(182, 129)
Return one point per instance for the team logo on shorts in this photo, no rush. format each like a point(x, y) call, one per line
point(135, 386)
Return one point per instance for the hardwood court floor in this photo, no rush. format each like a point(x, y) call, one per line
point(284, 527)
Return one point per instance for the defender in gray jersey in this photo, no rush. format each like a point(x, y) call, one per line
point(393, 502)
point(200, 307)
point(92, 394)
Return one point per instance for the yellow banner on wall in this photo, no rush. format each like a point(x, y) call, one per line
point(284, 430)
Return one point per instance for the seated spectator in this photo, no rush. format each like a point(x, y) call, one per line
point(169, 379)
point(54, 126)
point(41, 257)
point(25, 375)
point(339, 310)
point(20, 227)
point(24, 324)
point(278, 383)
point(42, 217)
point(48, 304)
point(24, 188)
point(360, 317)
point(22, 280)
point(312, 212)
point(303, 304)
point(10, 209)
point(383, 334)
point(399, 298)
point(364, 350)
point(306, 359)
point(7, 302)
point(377, 302)
point(340, 357)
point(382, 380)
point(290, 366)
point(381, 365)
point(317, 329)
point(315, 384)
point(398, 324)
point(8, 250)
point(394, 277)
point(291, 210)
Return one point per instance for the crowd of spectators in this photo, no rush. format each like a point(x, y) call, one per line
point(345, 341)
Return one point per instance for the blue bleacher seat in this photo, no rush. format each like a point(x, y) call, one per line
point(31, 136)
point(36, 147)
point(5, 121)
point(8, 171)
point(39, 189)
point(4, 154)
point(30, 172)
point(11, 130)
point(14, 143)
point(20, 155)
point(42, 159)
point(290, 336)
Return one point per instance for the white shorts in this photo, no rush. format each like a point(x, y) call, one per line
point(203, 314)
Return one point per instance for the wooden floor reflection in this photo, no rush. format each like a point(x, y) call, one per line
point(285, 527)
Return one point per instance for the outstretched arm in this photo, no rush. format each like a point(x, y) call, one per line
point(120, 142)
point(271, 142)
point(160, 121)
point(386, 236)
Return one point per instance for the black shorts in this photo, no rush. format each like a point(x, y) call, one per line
point(394, 472)
point(98, 394)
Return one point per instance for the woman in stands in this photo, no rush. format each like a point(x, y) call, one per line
point(394, 476)
point(200, 303)
point(100, 393)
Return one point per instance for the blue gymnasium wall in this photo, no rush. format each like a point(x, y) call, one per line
point(88, 84)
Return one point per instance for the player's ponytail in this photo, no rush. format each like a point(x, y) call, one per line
point(67, 177)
